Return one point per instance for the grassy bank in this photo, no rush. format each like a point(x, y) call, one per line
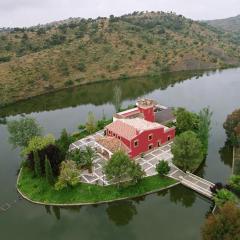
point(38, 190)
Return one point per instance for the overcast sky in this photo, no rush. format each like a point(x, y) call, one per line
point(32, 12)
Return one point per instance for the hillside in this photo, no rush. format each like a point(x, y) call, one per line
point(42, 59)
point(231, 24)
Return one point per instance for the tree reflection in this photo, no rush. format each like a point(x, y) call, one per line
point(56, 211)
point(183, 195)
point(122, 212)
point(139, 199)
point(163, 192)
point(226, 154)
point(48, 209)
point(97, 93)
point(3, 120)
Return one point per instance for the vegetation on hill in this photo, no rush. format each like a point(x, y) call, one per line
point(228, 28)
point(227, 24)
point(41, 59)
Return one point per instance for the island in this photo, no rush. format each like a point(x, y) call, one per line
point(134, 154)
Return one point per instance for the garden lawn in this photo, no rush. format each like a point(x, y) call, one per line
point(37, 189)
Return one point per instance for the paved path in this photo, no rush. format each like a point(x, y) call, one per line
point(148, 164)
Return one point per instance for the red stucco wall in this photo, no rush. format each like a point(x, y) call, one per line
point(158, 135)
point(143, 142)
point(148, 113)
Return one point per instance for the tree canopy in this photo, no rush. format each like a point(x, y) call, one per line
point(69, 175)
point(186, 121)
point(232, 127)
point(224, 225)
point(187, 151)
point(204, 128)
point(121, 168)
point(91, 123)
point(38, 143)
point(22, 131)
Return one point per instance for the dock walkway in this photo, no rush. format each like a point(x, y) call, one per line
point(192, 181)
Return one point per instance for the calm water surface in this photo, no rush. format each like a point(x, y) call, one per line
point(174, 214)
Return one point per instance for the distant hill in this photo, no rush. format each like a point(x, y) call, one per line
point(78, 51)
point(231, 24)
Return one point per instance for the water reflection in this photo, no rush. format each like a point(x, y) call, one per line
point(121, 212)
point(56, 211)
point(182, 195)
point(226, 154)
point(3, 120)
point(94, 93)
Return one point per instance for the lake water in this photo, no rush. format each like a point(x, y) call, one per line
point(174, 214)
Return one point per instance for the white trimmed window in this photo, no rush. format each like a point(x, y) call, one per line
point(150, 137)
point(136, 143)
point(150, 146)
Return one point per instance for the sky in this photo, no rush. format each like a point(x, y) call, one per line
point(24, 13)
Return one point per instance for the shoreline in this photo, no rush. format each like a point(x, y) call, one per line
point(87, 203)
point(98, 81)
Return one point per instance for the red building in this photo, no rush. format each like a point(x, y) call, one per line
point(137, 129)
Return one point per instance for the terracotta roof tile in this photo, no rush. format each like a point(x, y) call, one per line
point(112, 144)
point(130, 128)
point(122, 129)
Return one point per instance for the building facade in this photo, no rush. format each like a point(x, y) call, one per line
point(138, 130)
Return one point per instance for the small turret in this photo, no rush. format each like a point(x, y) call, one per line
point(146, 107)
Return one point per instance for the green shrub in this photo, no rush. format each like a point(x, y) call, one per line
point(69, 175)
point(163, 168)
point(38, 143)
point(69, 83)
point(5, 59)
point(64, 142)
point(81, 67)
point(222, 196)
point(234, 182)
point(76, 155)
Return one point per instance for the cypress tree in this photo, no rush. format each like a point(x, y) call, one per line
point(48, 171)
point(37, 164)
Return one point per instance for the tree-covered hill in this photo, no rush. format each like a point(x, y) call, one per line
point(229, 28)
point(41, 59)
point(228, 24)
